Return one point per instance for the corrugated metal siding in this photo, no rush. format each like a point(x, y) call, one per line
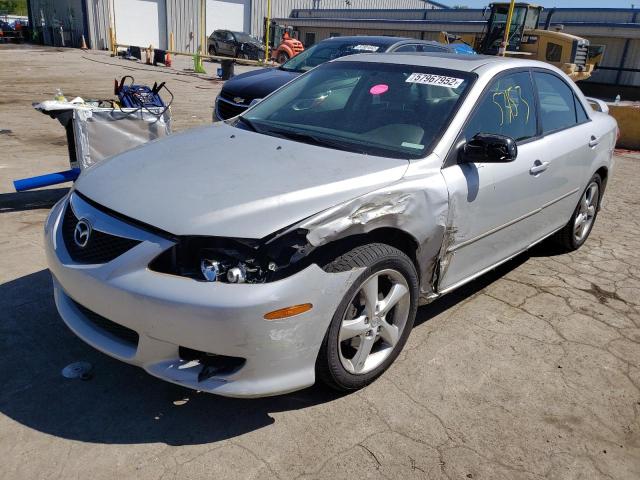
point(614, 15)
point(324, 33)
point(632, 61)
point(283, 8)
point(183, 19)
point(409, 13)
point(98, 15)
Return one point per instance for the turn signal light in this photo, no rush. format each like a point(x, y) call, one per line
point(288, 311)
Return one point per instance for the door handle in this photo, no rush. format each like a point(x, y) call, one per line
point(594, 141)
point(538, 167)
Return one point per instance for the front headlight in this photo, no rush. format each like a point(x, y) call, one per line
point(215, 259)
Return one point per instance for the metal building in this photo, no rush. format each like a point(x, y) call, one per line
point(616, 28)
point(149, 22)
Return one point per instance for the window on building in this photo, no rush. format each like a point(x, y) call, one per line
point(309, 39)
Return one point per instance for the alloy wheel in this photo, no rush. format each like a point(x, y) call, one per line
point(374, 321)
point(586, 212)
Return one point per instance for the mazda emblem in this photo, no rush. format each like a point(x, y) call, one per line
point(81, 233)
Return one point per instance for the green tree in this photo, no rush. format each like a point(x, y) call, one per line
point(13, 7)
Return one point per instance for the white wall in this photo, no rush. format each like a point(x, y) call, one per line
point(141, 22)
point(228, 14)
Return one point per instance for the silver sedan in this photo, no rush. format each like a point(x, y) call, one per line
point(295, 242)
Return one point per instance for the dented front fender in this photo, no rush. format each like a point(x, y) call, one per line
point(417, 204)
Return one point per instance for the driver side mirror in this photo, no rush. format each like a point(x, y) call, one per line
point(491, 148)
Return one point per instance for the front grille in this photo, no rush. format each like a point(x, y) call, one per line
point(122, 333)
point(582, 53)
point(101, 247)
point(227, 109)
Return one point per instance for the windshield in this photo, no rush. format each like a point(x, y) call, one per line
point(243, 37)
point(386, 110)
point(324, 51)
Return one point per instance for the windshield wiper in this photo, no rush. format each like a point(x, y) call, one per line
point(248, 123)
point(314, 140)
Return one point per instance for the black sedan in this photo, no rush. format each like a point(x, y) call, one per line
point(238, 93)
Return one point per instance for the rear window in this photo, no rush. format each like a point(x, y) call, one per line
point(323, 52)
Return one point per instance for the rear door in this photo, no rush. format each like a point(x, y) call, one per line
point(494, 206)
point(570, 148)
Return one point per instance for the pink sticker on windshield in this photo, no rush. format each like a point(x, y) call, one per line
point(379, 89)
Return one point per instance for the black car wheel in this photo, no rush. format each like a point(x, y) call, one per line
point(374, 318)
point(577, 230)
point(283, 57)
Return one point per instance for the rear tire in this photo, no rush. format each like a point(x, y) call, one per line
point(577, 230)
point(373, 320)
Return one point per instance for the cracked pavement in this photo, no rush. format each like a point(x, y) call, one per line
point(530, 372)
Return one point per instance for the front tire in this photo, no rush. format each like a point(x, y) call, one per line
point(373, 320)
point(282, 57)
point(577, 230)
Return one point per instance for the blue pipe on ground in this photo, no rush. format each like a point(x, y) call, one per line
point(46, 180)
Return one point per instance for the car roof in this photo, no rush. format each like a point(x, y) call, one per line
point(452, 61)
point(378, 39)
point(384, 41)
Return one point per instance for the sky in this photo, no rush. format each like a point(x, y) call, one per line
point(552, 3)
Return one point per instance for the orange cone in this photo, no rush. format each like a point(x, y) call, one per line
point(83, 44)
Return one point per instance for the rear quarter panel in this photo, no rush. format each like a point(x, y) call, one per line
point(605, 128)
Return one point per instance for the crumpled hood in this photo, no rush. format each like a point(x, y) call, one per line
point(257, 83)
point(223, 181)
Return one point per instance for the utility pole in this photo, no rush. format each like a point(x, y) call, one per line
point(266, 50)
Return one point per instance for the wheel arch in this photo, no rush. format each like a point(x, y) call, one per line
point(603, 172)
point(392, 236)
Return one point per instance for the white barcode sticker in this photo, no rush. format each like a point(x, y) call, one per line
point(437, 80)
point(367, 48)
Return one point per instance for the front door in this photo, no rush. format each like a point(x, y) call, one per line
point(494, 206)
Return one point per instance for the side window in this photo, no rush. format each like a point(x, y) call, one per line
point(230, 37)
point(557, 102)
point(406, 48)
point(581, 115)
point(554, 52)
point(506, 108)
point(430, 48)
point(309, 39)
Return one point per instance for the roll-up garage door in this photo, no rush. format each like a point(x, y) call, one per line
point(141, 22)
point(232, 15)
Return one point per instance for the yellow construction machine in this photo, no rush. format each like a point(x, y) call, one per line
point(513, 30)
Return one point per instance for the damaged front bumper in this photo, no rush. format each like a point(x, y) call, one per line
point(150, 319)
